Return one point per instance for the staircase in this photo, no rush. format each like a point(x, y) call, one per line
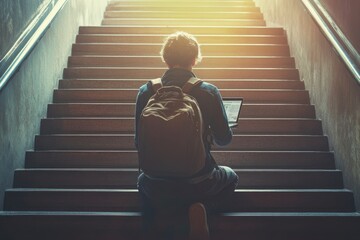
point(80, 180)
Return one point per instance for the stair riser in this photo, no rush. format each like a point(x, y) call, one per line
point(191, 29)
point(126, 142)
point(288, 227)
point(154, 49)
point(117, 96)
point(182, 3)
point(113, 126)
point(207, 62)
point(221, 84)
point(192, 14)
point(112, 201)
point(119, 179)
point(203, 39)
point(183, 9)
point(184, 22)
point(115, 227)
point(225, 73)
point(129, 159)
point(128, 110)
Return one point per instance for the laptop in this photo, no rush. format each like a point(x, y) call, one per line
point(232, 109)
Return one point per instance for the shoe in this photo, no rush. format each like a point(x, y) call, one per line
point(199, 229)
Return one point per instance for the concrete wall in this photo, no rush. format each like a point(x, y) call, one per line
point(332, 88)
point(24, 100)
point(15, 15)
point(346, 14)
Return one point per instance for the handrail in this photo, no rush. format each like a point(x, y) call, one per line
point(28, 40)
point(335, 36)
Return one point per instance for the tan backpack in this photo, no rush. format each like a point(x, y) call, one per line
point(170, 132)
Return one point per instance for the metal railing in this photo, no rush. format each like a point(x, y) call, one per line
point(335, 36)
point(28, 40)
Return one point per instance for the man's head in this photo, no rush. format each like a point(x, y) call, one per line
point(181, 49)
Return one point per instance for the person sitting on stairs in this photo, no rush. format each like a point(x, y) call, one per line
point(211, 187)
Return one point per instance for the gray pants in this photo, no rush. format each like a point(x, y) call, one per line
point(163, 199)
point(213, 190)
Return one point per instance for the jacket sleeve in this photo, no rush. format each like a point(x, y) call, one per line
point(219, 126)
point(142, 98)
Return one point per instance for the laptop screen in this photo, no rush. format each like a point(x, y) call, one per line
point(232, 109)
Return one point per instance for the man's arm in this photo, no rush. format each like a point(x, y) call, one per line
point(219, 126)
point(141, 101)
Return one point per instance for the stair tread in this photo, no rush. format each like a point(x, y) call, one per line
point(126, 125)
point(138, 214)
point(315, 200)
point(127, 178)
point(204, 73)
point(228, 49)
point(208, 61)
point(177, 8)
point(160, 44)
point(135, 191)
point(183, 21)
point(132, 118)
point(128, 29)
point(235, 159)
point(135, 170)
point(129, 95)
point(126, 141)
point(255, 110)
point(207, 39)
point(223, 83)
point(181, 3)
point(127, 225)
point(180, 15)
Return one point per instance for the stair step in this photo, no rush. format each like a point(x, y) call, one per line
point(250, 226)
point(183, 22)
point(127, 178)
point(195, 3)
point(171, 29)
point(126, 125)
point(190, 14)
point(159, 38)
point(124, 225)
point(126, 142)
point(129, 159)
point(140, 49)
point(207, 62)
point(214, 73)
point(183, 9)
point(284, 226)
point(129, 200)
point(128, 110)
point(129, 95)
point(221, 84)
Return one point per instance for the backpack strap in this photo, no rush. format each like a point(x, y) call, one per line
point(192, 82)
point(156, 84)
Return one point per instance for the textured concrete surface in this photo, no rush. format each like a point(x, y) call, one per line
point(24, 100)
point(15, 15)
point(332, 88)
point(346, 13)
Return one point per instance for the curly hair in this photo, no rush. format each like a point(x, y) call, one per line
point(180, 49)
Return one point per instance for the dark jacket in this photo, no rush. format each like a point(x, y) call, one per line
point(211, 106)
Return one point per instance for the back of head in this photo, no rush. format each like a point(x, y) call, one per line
point(181, 49)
